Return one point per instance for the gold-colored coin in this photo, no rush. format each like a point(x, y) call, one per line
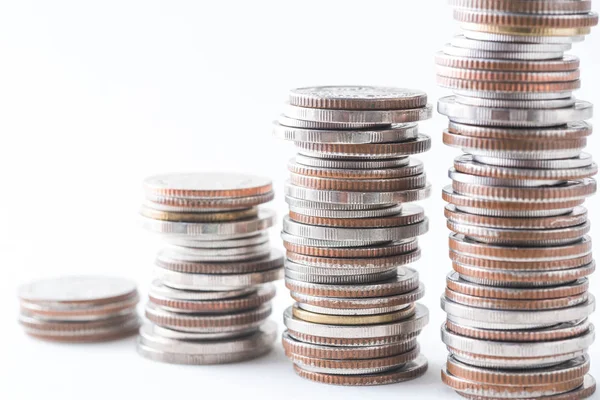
point(352, 319)
point(526, 31)
point(199, 216)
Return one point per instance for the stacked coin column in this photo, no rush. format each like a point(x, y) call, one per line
point(517, 302)
point(211, 299)
point(350, 231)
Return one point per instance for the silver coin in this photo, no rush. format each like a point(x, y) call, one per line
point(412, 168)
point(493, 181)
point(199, 359)
point(377, 213)
point(157, 288)
point(341, 279)
point(219, 255)
point(244, 228)
point(356, 234)
point(501, 55)
point(510, 319)
point(352, 311)
point(525, 96)
point(300, 203)
point(84, 332)
point(304, 124)
point(522, 104)
point(360, 116)
point(493, 46)
point(362, 198)
point(303, 241)
point(401, 329)
point(351, 164)
point(395, 133)
point(181, 335)
point(345, 265)
point(583, 160)
point(416, 146)
point(512, 117)
point(572, 129)
point(265, 336)
point(198, 243)
point(347, 371)
point(494, 37)
point(342, 273)
point(206, 282)
point(70, 312)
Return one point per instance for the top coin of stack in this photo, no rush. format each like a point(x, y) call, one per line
point(211, 298)
point(79, 308)
point(517, 302)
point(355, 320)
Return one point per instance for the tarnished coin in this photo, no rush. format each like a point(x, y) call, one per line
point(502, 55)
point(525, 30)
point(207, 204)
point(232, 215)
point(381, 250)
point(352, 320)
point(357, 97)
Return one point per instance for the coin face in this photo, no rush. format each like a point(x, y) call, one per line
point(190, 185)
point(77, 289)
point(357, 97)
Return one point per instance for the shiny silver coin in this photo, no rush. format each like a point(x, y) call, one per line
point(377, 213)
point(182, 335)
point(395, 133)
point(492, 181)
point(401, 329)
point(521, 104)
point(583, 160)
point(157, 288)
point(501, 55)
point(198, 243)
point(352, 311)
point(341, 279)
point(512, 117)
point(525, 96)
point(206, 282)
point(301, 203)
point(357, 97)
point(305, 124)
point(219, 255)
point(360, 198)
point(343, 272)
point(304, 241)
point(360, 117)
point(351, 163)
point(494, 46)
point(494, 37)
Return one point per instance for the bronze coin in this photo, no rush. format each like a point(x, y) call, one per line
point(523, 77)
point(391, 249)
point(515, 304)
point(520, 145)
point(568, 21)
point(380, 222)
point(567, 63)
point(199, 216)
point(362, 185)
point(525, 7)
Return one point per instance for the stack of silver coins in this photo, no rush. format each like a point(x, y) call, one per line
point(517, 302)
point(79, 308)
point(211, 298)
point(350, 231)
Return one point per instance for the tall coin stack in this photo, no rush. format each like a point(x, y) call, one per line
point(211, 298)
point(349, 229)
point(517, 302)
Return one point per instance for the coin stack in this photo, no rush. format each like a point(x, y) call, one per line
point(517, 302)
point(79, 309)
point(350, 231)
point(211, 299)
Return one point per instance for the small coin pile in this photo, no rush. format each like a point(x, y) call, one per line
point(212, 295)
point(350, 232)
point(517, 302)
point(79, 309)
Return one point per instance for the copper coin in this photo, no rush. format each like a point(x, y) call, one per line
point(584, 20)
point(414, 167)
point(353, 342)
point(407, 280)
point(576, 217)
point(206, 204)
point(83, 335)
point(180, 304)
point(523, 77)
point(363, 185)
point(411, 370)
point(574, 289)
point(199, 216)
point(467, 165)
point(346, 263)
point(371, 150)
point(460, 244)
point(525, 30)
point(361, 302)
point(572, 130)
point(399, 219)
point(556, 332)
point(512, 87)
point(165, 260)
point(515, 304)
point(203, 185)
point(525, 7)
point(294, 346)
point(385, 250)
point(567, 63)
point(517, 145)
point(78, 313)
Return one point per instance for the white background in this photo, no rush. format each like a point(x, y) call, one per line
point(94, 96)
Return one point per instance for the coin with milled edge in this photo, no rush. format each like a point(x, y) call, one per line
point(451, 50)
point(525, 7)
point(380, 250)
point(198, 217)
point(507, 76)
point(352, 320)
point(565, 63)
point(360, 116)
point(579, 20)
point(467, 43)
point(414, 167)
point(336, 163)
point(522, 104)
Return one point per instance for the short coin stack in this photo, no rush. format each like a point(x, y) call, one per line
point(79, 309)
point(211, 298)
point(355, 320)
point(517, 302)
